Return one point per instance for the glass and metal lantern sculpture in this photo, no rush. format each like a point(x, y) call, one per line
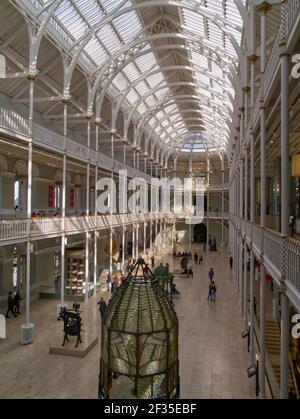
point(140, 338)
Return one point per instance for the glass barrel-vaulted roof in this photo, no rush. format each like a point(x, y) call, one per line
point(184, 63)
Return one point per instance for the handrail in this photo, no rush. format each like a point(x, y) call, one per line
point(257, 236)
point(293, 377)
point(273, 384)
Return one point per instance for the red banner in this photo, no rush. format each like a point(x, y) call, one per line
point(50, 196)
point(72, 198)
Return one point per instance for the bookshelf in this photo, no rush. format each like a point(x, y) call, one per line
point(75, 272)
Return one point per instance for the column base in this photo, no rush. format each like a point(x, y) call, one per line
point(27, 331)
point(261, 396)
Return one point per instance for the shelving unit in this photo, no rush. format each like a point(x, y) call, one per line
point(75, 272)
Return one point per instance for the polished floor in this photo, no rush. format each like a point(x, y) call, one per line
point(213, 357)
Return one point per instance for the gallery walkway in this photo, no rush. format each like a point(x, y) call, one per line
point(213, 357)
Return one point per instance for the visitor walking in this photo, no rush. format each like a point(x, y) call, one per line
point(190, 272)
point(212, 291)
point(211, 274)
point(102, 308)
point(10, 305)
point(17, 299)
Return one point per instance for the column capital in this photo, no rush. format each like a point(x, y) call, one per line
point(283, 51)
point(253, 59)
point(264, 8)
point(31, 77)
point(65, 99)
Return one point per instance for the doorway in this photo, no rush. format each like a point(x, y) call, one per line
point(200, 233)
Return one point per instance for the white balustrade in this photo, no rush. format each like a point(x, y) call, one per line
point(272, 251)
point(273, 62)
point(293, 263)
point(13, 229)
point(13, 122)
point(47, 137)
point(256, 239)
point(292, 9)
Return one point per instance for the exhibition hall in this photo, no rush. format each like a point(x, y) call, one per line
point(149, 200)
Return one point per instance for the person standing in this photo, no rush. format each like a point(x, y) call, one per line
point(17, 299)
point(10, 305)
point(211, 274)
point(196, 258)
point(108, 282)
point(214, 244)
point(152, 261)
point(212, 292)
point(102, 308)
point(231, 262)
point(209, 240)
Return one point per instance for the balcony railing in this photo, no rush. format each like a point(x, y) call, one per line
point(292, 8)
point(277, 252)
point(41, 227)
point(17, 124)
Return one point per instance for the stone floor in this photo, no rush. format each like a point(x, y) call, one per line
point(213, 357)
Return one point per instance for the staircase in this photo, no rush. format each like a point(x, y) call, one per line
point(273, 348)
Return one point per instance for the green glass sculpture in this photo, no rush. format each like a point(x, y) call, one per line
point(140, 338)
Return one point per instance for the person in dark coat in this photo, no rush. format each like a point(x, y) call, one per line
point(102, 307)
point(17, 299)
point(10, 305)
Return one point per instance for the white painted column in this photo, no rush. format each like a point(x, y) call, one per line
point(145, 237)
point(241, 245)
point(252, 265)
point(29, 200)
point(245, 305)
point(137, 240)
point(63, 209)
point(252, 314)
point(87, 210)
point(252, 179)
point(156, 232)
point(96, 234)
point(285, 199)
point(151, 234)
point(124, 154)
point(111, 235)
point(262, 392)
point(223, 206)
point(123, 250)
point(133, 241)
point(208, 203)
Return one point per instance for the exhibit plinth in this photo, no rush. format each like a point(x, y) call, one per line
point(88, 343)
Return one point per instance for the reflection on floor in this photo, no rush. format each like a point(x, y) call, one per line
point(213, 357)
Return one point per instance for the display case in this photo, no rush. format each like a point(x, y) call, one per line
point(75, 272)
